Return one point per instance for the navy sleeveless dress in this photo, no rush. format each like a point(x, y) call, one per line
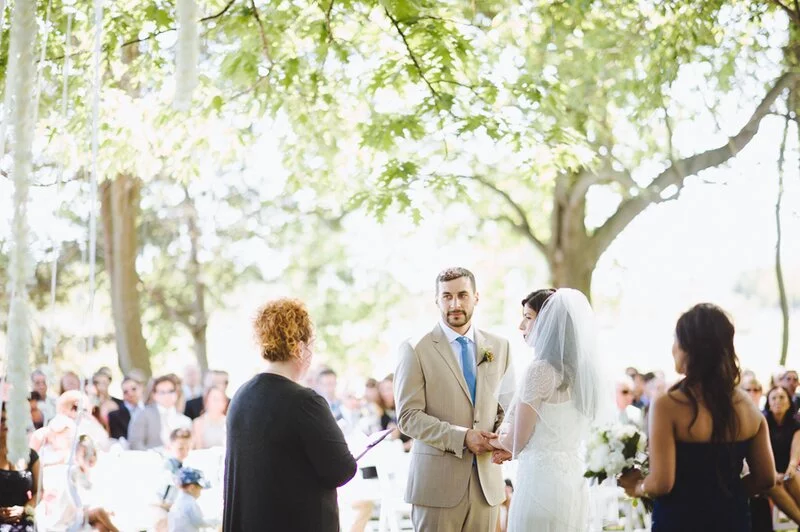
point(708, 494)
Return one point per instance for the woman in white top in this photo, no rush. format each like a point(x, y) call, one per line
point(209, 429)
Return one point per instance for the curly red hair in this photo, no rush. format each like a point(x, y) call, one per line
point(279, 326)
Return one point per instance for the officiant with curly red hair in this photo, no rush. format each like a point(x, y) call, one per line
point(285, 453)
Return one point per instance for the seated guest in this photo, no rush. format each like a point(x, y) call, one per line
point(68, 501)
point(638, 386)
point(752, 386)
point(180, 443)
point(152, 426)
point(47, 403)
point(119, 420)
point(53, 442)
point(326, 385)
point(101, 381)
point(213, 379)
point(209, 429)
point(701, 433)
point(18, 488)
point(186, 515)
point(627, 414)
point(37, 416)
point(788, 379)
point(784, 435)
point(192, 385)
point(389, 410)
point(285, 453)
point(69, 382)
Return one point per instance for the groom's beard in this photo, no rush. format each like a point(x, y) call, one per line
point(458, 318)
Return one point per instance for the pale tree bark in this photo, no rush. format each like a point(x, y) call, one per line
point(189, 311)
point(119, 206)
point(198, 319)
point(572, 251)
point(784, 302)
point(120, 211)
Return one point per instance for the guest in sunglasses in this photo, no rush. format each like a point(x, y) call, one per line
point(627, 413)
point(753, 387)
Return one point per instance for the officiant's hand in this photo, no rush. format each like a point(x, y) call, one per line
point(500, 455)
point(478, 441)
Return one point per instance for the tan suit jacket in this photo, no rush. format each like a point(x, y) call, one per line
point(435, 408)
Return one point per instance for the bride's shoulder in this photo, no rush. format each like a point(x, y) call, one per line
point(541, 369)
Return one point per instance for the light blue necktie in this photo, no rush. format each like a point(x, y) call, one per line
point(466, 363)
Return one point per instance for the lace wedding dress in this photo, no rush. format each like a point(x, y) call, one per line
point(550, 494)
point(548, 414)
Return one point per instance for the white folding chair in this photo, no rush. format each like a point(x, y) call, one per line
point(392, 465)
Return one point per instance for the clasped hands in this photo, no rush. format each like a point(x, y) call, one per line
point(481, 441)
point(11, 514)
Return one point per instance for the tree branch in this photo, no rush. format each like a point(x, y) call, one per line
point(792, 15)
point(327, 13)
point(606, 175)
point(523, 226)
point(182, 317)
point(676, 173)
point(148, 36)
point(413, 20)
point(264, 41)
point(167, 30)
point(412, 56)
point(217, 15)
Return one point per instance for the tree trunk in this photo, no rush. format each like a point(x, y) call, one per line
point(572, 270)
point(199, 319)
point(120, 210)
point(570, 255)
point(784, 302)
point(200, 347)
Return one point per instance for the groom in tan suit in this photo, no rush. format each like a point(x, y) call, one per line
point(444, 389)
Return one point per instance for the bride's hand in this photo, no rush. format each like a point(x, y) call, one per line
point(500, 455)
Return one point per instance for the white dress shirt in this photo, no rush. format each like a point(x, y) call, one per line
point(171, 419)
point(187, 516)
point(452, 337)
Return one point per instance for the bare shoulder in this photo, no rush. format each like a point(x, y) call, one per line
point(750, 416)
point(669, 402)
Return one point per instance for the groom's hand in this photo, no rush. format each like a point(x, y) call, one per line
point(477, 441)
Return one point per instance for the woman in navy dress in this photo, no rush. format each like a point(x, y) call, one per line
point(701, 432)
point(17, 487)
point(784, 435)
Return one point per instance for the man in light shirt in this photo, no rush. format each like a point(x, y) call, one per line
point(152, 426)
point(47, 403)
point(119, 420)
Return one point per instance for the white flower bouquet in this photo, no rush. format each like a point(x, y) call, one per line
point(615, 449)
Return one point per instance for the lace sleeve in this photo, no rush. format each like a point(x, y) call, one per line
point(539, 384)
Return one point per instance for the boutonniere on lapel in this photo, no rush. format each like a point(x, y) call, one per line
point(488, 356)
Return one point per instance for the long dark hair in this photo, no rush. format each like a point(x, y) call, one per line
point(768, 412)
point(536, 299)
point(705, 334)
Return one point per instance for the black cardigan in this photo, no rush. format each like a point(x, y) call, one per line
point(285, 458)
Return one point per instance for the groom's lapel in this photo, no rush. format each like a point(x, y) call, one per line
point(442, 347)
point(481, 344)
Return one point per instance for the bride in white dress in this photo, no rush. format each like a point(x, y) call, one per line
point(548, 415)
